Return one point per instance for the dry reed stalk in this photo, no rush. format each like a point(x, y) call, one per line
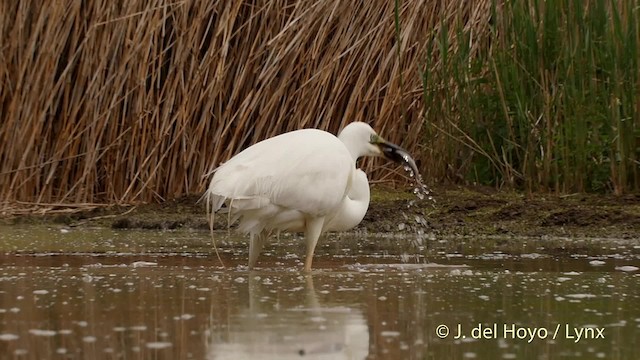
point(121, 102)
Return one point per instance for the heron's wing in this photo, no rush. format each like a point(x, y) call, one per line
point(305, 170)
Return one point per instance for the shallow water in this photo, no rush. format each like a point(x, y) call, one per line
point(85, 293)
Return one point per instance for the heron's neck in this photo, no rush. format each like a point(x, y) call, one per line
point(355, 148)
point(353, 207)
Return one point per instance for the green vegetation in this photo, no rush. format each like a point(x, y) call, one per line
point(135, 101)
point(547, 100)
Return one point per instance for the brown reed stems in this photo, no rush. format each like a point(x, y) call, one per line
point(120, 102)
point(133, 101)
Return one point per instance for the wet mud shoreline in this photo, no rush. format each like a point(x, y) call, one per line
point(456, 212)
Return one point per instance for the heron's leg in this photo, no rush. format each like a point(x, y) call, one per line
point(256, 243)
point(312, 232)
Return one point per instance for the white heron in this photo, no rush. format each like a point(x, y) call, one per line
point(302, 181)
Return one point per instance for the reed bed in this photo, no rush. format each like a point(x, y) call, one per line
point(548, 101)
point(107, 102)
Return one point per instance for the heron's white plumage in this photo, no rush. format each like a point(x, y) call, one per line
point(354, 207)
point(304, 180)
point(274, 170)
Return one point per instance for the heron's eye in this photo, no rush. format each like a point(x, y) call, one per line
point(373, 139)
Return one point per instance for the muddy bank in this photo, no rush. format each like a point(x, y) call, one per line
point(456, 212)
point(485, 212)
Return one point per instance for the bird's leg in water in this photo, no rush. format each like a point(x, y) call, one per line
point(256, 243)
point(311, 234)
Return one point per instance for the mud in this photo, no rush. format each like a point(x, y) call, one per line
point(473, 212)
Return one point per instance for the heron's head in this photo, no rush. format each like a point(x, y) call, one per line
point(387, 149)
point(362, 140)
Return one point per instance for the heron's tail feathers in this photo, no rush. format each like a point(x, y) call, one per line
point(213, 203)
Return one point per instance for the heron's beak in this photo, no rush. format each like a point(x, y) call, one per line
point(395, 153)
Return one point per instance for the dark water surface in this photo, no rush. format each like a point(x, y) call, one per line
point(105, 294)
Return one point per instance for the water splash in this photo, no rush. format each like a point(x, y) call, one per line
point(400, 155)
point(421, 190)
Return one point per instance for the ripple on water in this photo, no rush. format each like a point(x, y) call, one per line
point(159, 345)
point(8, 337)
point(627, 268)
point(39, 332)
